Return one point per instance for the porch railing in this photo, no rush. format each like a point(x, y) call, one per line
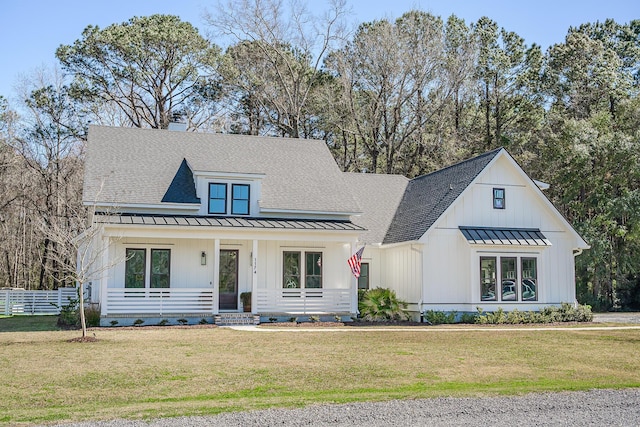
point(158, 301)
point(303, 301)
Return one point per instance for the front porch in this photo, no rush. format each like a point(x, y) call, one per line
point(197, 272)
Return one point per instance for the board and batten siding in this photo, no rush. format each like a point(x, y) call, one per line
point(402, 272)
point(451, 278)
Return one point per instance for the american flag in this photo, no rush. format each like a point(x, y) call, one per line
point(354, 262)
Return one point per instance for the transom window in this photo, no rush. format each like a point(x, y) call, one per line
point(239, 199)
point(515, 284)
point(293, 275)
point(217, 198)
point(498, 198)
point(136, 272)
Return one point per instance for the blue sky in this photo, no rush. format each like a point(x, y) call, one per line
point(31, 30)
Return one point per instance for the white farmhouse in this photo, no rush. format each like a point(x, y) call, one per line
point(191, 221)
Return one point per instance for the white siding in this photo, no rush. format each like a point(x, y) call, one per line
point(402, 271)
point(451, 265)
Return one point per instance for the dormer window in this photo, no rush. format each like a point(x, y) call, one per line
point(217, 198)
point(227, 198)
point(498, 198)
point(239, 199)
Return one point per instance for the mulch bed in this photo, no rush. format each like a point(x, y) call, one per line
point(302, 324)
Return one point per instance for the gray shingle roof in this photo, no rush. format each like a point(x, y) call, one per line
point(137, 166)
point(378, 195)
point(428, 196)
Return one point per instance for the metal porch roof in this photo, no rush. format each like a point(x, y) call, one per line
point(504, 236)
point(232, 222)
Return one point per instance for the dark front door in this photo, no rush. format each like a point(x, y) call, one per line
point(228, 299)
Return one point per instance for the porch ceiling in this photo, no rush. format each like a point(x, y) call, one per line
point(226, 222)
point(504, 236)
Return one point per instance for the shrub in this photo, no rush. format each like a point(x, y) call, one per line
point(163, 322)
point(314, 319)
point(468, 318)
point(69, 316)
point(203, 321)
point(380, 304)
point(92, 316)
point(183, 321)
point(565, 313)
point(114, 322)
point(440, 317)
point(138, 322)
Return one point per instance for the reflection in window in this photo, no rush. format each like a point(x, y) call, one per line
point(529, 279)
point(291, 270)
point(160, 262)
point(134, 268)
point(509, 278)
point(313, 277)
point(488, 278)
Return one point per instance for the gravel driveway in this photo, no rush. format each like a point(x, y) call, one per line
point(592, 408)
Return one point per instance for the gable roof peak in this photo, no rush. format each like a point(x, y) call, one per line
point(428, 196)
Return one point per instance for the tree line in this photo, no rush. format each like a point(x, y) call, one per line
point(404, 96)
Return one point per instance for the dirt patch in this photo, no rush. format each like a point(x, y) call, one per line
point(83, 339)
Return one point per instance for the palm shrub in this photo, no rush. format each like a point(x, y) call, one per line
point(381, 304)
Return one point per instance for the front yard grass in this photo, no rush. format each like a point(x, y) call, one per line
point(156, 372)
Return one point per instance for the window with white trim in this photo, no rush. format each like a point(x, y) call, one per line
point(297, 274)
point(509, 278)
point(141, 272)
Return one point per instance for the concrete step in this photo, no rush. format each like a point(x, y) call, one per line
point(236, 319)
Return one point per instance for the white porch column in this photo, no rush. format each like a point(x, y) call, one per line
point(216, 276)
point(104, 301)
point(254, 277)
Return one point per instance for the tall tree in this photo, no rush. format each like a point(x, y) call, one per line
point(149, 67)
point(392, 86)
point(277, 55)
point(51, 146)
point(506, 93)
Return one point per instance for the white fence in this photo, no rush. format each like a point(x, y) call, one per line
point(20, 301)
point(304, 301)
point(158, 301)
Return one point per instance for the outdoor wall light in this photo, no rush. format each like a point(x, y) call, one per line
point(203, 258)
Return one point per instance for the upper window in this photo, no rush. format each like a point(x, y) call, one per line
point(217, 198)
point(498, 198)
point(239, 199)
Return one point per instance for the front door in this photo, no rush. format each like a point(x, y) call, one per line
point(228, 299)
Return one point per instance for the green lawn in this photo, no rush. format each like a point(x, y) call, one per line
point(28, 323)
point(153, 372)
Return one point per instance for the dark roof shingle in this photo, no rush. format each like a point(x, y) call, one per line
point(428, 196)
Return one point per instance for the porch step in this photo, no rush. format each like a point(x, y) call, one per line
point(236, 319)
